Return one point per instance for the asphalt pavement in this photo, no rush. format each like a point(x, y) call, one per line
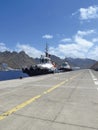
point(60, 101)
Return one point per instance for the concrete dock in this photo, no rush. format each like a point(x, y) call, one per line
point(61, 101)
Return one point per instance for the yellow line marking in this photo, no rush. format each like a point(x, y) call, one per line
point(54, 87)
point(20, 106)
point(74, 76)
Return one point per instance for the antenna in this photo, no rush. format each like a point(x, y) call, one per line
point(46, 50)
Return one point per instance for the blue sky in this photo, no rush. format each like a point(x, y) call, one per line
point(70, 27)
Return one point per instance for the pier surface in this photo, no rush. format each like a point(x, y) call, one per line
point(61, 101)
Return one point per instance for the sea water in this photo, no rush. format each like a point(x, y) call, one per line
point(8, 75)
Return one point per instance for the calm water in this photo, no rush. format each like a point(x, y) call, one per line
point(8, 75)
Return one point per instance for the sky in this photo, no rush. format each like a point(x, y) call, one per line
point(69, 27)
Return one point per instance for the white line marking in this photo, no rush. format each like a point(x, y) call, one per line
point(96, 82)
point(94, 78)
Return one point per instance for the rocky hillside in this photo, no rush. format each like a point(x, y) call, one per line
point(18, 60)
point(15, 60)
point(74, 62)
point(82, 63)
point(54, 58)
point(95, 66)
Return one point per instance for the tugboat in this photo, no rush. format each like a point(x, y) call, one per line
point(46, 66)
point(65, 67)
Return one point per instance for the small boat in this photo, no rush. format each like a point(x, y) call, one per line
point(46, 66)
point(65, 67)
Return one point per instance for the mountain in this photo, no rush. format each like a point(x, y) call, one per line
point(57, 60)
point(54, 58)
point(79, 62)
point(15, 60)
point(74, 62)
point(95, 66)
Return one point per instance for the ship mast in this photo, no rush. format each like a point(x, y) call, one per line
point(46, 50)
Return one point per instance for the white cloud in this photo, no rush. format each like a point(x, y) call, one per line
point(80, 47)
point(68, 50)
point(47, 36)
point(83, 43)
point(95, 40)
point(94, 53)
point(31, 51)
point(3, 47)
point(75, 13)
point(89, 13)
point(66, 40)
point(85, 33)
